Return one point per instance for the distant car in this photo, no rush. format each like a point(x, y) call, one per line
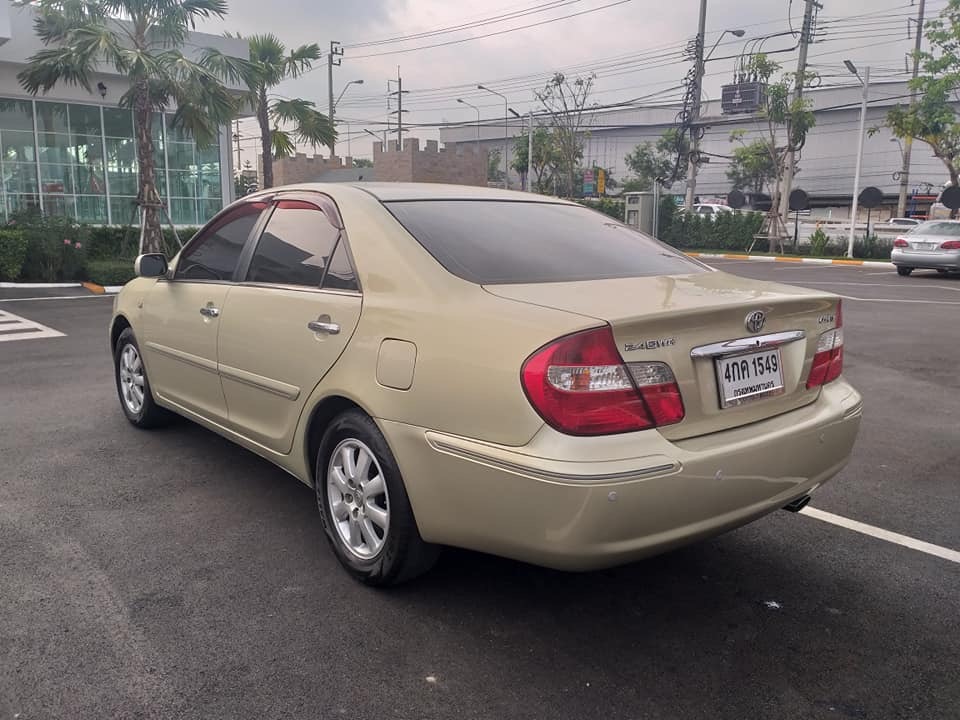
point(493, 370)
point(904, 222)
point(933, 245)
point(711, 210)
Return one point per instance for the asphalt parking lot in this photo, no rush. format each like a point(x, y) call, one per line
point(171, 574)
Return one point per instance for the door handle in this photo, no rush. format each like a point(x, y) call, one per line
point(210, 311)
point(323, 325)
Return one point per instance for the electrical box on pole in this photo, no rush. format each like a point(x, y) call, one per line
point(742, 98)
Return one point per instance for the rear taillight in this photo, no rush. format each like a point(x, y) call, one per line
point(580, 385)
point(950, 245)
point(828, 361)
point(901, 243)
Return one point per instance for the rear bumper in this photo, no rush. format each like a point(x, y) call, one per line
point(943, 260)
point(583, 503)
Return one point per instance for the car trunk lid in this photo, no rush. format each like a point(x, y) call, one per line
point(697, 324)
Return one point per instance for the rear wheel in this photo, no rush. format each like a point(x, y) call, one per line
point(133, 386)
point(901, 270)
point(364, 506)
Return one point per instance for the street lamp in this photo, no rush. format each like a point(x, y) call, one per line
point(698, 72)
point(345, 88)
point(377, 137)
point(865, 82)
point(506, 142)
point(736, 33)
point(529, 144)
point(333, 106)
point(464, 102)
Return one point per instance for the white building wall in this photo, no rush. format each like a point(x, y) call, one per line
point(826, 163)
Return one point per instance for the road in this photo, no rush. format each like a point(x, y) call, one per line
point(170, 574)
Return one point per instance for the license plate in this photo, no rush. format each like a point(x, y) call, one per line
point(743, 378)
point(926, 246)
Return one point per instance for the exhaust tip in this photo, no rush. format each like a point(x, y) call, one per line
point(797, 505)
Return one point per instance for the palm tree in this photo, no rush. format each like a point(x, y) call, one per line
point(268, 66)
point(141, 39)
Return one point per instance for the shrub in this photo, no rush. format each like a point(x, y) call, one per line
point(871, 248)
point(13, 250)
point(608, 206)
point(728, 231)
point(119, 242)
point(819, 242)
point(110, 272)
point(56, 248)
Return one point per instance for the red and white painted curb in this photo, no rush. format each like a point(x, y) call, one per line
point(786, 259)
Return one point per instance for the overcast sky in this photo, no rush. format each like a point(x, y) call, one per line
point(633, 45)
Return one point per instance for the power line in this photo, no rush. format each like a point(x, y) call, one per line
point(468, 25)
point(491, 34)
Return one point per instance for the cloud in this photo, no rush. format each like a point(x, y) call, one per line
point(641, 42)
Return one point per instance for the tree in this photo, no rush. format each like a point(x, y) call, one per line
point(141, 40)
point(932, 118)
point(245, 182)
point(268, 66)
point(494, 166)
point(362, 163)
point(752, 166)
point(788, 119)
point(544, 158)
point(649, 161)
point(565, 101)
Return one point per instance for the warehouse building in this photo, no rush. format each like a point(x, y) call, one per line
point(826, 164)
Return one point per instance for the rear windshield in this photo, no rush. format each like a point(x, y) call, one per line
point(951, 229)
point(496, 242)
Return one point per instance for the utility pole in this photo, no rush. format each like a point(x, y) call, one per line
point(695, 110)
point(400, 92)
point(908, 141)
point(865, 81)
point(530, 155)
point(333, 58)
point(806, 37)
point(236, 136)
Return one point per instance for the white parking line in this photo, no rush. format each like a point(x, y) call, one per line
point(902, 286)
point(901, 300)
point(880, 533)
point(14, 327)
point(55, 297)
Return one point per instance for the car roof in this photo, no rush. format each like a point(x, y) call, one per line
point(387, 191)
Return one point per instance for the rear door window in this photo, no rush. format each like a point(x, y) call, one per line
point(295, 247)
point(493, 241)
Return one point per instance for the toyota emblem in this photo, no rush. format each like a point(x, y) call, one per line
point(755, 321)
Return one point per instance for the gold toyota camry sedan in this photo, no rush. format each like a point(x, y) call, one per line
point(491, 370)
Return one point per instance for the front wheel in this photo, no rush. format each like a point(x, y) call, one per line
point(901, 270)
point(364, 506)
point(133, 386)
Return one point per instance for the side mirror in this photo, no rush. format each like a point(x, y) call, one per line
point(150, 265)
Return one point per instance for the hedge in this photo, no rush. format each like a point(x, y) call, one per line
point(726, 231)
point(37, 248)
point(110, 272)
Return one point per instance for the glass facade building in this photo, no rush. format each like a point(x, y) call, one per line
point(80, 161)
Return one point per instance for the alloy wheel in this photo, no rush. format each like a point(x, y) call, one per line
point(358, 499)
point(131, 379)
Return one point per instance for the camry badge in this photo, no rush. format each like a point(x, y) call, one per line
point(755, 320)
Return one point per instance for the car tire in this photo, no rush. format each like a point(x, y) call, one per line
point(133, 386)
point(901, 270)
point(358, 487)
